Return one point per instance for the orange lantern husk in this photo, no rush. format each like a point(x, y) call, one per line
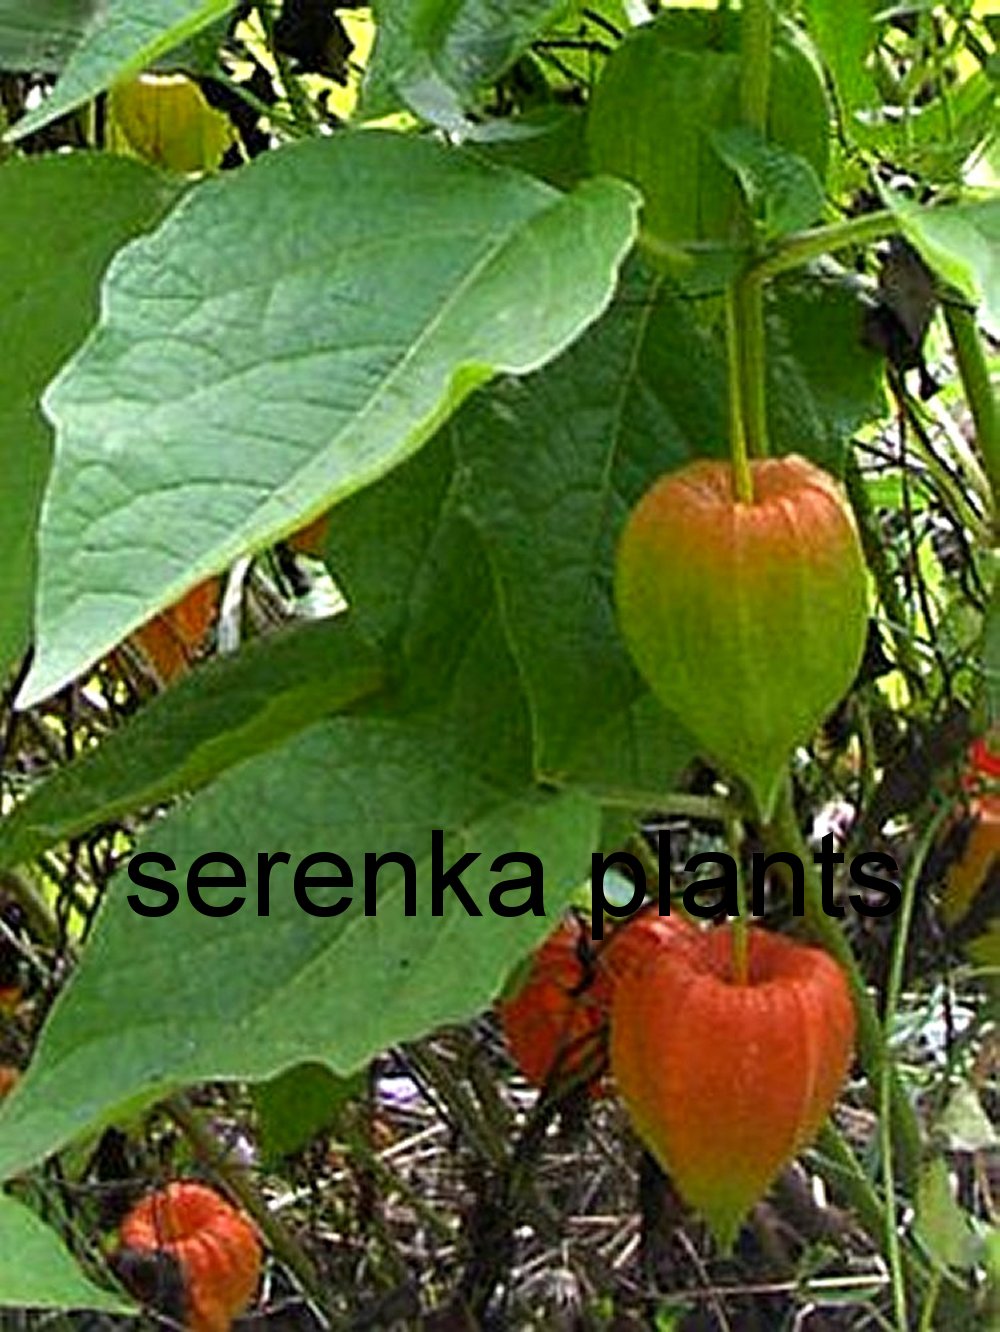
point(215, 1245)
point(555, 1024)
point(172, 640)
point(971, 868)
point(726, 1082)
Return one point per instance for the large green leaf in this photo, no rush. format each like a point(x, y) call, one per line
point(123, 37)
point(36, 1271)
point(160, 1002)
point(224, 712)
point(962, 245)
point(664, 94)
point(40, 35)
point(437, 56)
point(845, 33)
point(823, 381)
point(61, 220)
point(224, 401)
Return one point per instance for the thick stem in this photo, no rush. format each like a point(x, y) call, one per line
point(975, 375)
point(755, 62)
point(803, 247)
point(745, 315)
point(873, 1051)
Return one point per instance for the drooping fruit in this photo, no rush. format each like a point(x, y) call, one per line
point(726, 1082)
point(631, 945)
point(973, 836)
point(215, 1246)
point(747, 619)
point(978, 837)
point(555, 1025)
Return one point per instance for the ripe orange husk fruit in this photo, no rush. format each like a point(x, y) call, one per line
point(556, 1024)
point(631, 944)
point(9, 1078)
point(172, 640)
point(748, 620)
point(726, 1082)
point(980, 847)
point(215, 1245)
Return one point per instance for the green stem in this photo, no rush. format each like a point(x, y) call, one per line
point(876, 558)
point(745, 313)
point(975, 376)
point(847, 1175)
point(303, 115)
point(40, 916)
point(751, 342)
point(893, 991)
point(784, 834)
point(755, 62)
point(742, 477)
point(741, 923)
point(802, 247)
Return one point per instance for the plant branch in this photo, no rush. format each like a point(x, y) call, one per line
point(784, 834)
point(801, 247)
point(974, 373)
point(885, 1089)
point(755, 62)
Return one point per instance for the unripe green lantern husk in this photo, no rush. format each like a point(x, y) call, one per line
point(747, 619)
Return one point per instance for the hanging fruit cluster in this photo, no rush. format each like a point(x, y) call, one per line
point(725, 1079)
point(744, 604)
point(213, 1248)
point(556, 1022)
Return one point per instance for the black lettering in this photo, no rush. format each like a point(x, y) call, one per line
point(828, 858)
point(599, 904)
point(374, 863)
point(533, 880)
point(761, 864)
point(303, 883)
point(663, 860)
point(164, 886)
point(729, 902)
point(888, 887)
point(196, 881)
point(442, 879)
point(264, 862)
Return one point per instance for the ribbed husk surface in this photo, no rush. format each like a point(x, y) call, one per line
point(216, 1247)
point(748, 620)
point(727, 1082)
